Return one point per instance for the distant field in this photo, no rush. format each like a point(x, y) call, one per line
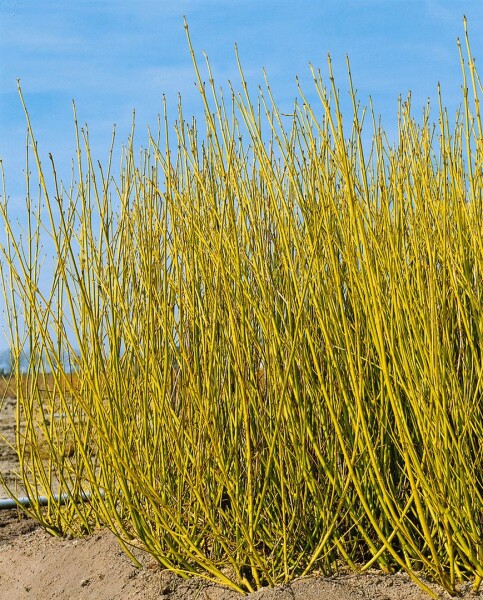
point(8, 384)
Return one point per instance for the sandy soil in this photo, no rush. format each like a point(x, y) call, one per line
point(36, 566)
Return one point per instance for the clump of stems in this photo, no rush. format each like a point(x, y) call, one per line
point(274, 335)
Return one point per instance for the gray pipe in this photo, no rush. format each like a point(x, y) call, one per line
point(8, 503)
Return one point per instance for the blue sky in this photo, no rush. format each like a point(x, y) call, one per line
point(112, 56)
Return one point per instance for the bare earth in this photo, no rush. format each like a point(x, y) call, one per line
point(36, 566)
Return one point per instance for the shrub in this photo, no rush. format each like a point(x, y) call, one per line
point(280, 364)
